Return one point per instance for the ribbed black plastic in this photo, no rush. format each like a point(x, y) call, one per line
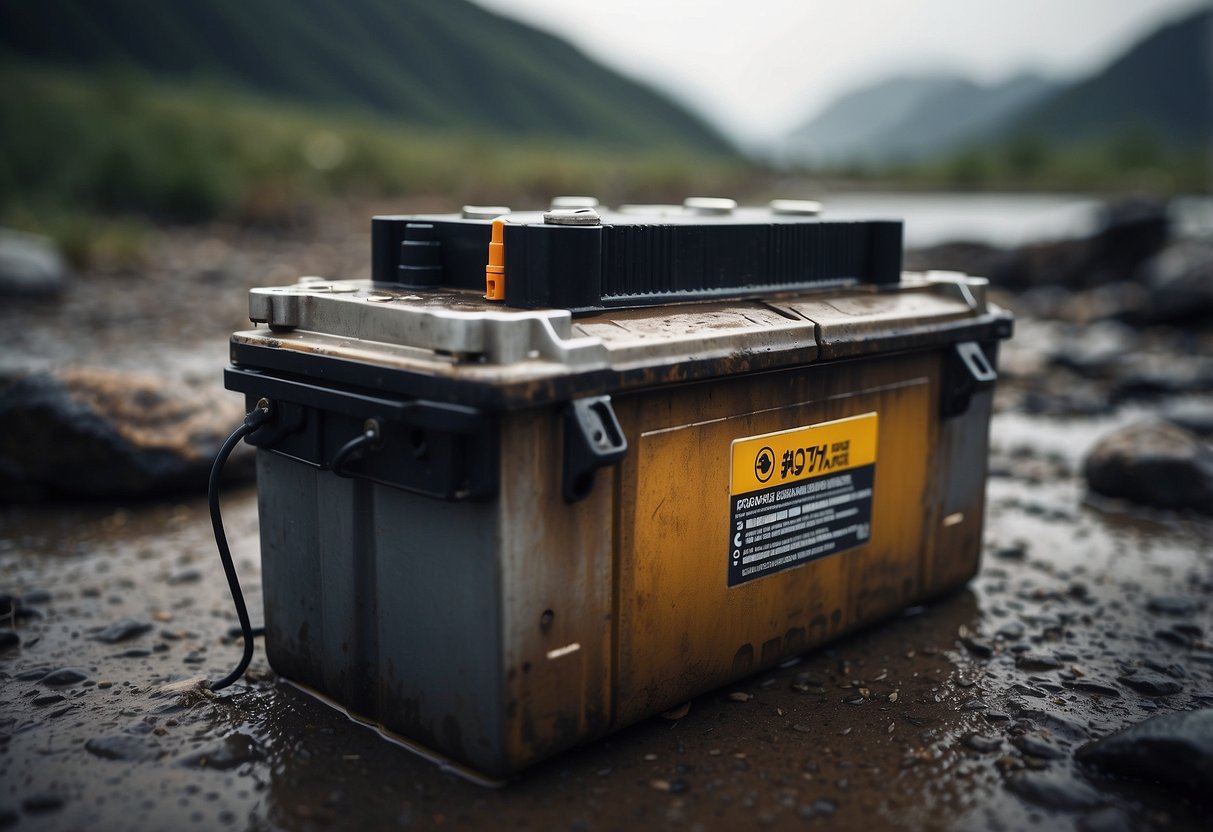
point(628, 264)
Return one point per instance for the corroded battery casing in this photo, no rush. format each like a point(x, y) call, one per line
point(572, 523)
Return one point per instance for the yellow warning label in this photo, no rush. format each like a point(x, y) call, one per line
point(761, 462)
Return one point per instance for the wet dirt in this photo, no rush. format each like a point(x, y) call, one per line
point(1087, 616)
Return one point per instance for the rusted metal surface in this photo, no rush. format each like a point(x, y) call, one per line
point(499, 629)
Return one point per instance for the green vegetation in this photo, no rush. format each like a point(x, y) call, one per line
point(1134, 160)
point(449, 65)
point(74, 150)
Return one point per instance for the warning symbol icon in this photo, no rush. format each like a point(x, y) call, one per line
point(764, 464)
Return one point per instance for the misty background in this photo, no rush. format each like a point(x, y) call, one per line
point(118, 117)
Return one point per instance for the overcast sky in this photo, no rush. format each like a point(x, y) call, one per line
point(759, 68)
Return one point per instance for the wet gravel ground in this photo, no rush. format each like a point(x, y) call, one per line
point(1087, 616)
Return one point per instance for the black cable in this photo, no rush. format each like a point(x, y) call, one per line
point(368, 438)
point(255, 419)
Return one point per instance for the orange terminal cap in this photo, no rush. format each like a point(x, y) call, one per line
point(494, 272)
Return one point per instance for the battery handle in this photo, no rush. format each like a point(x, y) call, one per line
point(593, 439)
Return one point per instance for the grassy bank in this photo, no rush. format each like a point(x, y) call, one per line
point(1134, 161)
point(78, 153)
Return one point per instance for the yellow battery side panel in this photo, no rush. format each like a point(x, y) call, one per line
point(687, 619)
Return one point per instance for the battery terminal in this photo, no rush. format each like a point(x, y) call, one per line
point(494, 272)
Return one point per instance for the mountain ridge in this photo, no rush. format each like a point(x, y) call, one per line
point(450, 65)
point(1161, 85)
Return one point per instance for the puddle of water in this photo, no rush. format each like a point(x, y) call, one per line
point(267, 755)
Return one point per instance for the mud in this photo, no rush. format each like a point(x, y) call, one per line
point(1088, 615)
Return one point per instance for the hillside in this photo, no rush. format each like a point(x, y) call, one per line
point(1163, 85)
point(449, 66)
point(911, 117)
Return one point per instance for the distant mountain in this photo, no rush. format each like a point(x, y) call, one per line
point(448, 65)
point(912, 117)
point(1163, 84)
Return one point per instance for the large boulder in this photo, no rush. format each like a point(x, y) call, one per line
point(104, 434)
point(1179, 284)
point(1174, 750)
point(30, 266)
point(1154, 463)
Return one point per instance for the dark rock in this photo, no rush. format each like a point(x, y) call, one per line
point(1052, 791)
point(1179, 280)
point(1173, 637)
point(1153, 463)
point(64, 676)
point(1132, 232)
point(1054, 722)
point(122, 630)
point(1037, 746)
point(227, 753)
point(32, 675)
point(1170, 605)
point(30, 266)
point(188, 575)
point(818, 808)
point(1011, 631)
point(48, 699)
point(1033, 663)
point(1195, 415)
point(1093, 688)
point(1108, 819)
point(9, 639)
point(35, 597)
point(36, 803)
point(8, 816)
point(1012, 551)
point(118, 747)
point(978, 647)
point(1151, 684)
point(1174, 749)
point(101, 433)
point(984, 744)
point(969, 257)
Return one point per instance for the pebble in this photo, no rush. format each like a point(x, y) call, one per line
point(63, 677)
point(42, 802)
point(118, 747)
point(1173, 637)
point(1035, 662)
point(185, 576)
point(227, 753)
point(1151, 684)
point(1172, 605)
point(1012, 551)
point(1108, 819)
point(1011, 631)
point(48, 699)
point(8, 816)
point(1094, 689)
point(740, 696)
point(9, 639)
point(981, 649)
point(32, 675)
point(1052, 792)
point(818, 808)
point(981, 743)
point(35, 597)
point(122, 630)
point(1037, 746)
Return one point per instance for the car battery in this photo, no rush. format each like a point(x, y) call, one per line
point(549, 473)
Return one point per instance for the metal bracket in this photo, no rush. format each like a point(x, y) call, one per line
point(593, 439)
point(967, 369)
